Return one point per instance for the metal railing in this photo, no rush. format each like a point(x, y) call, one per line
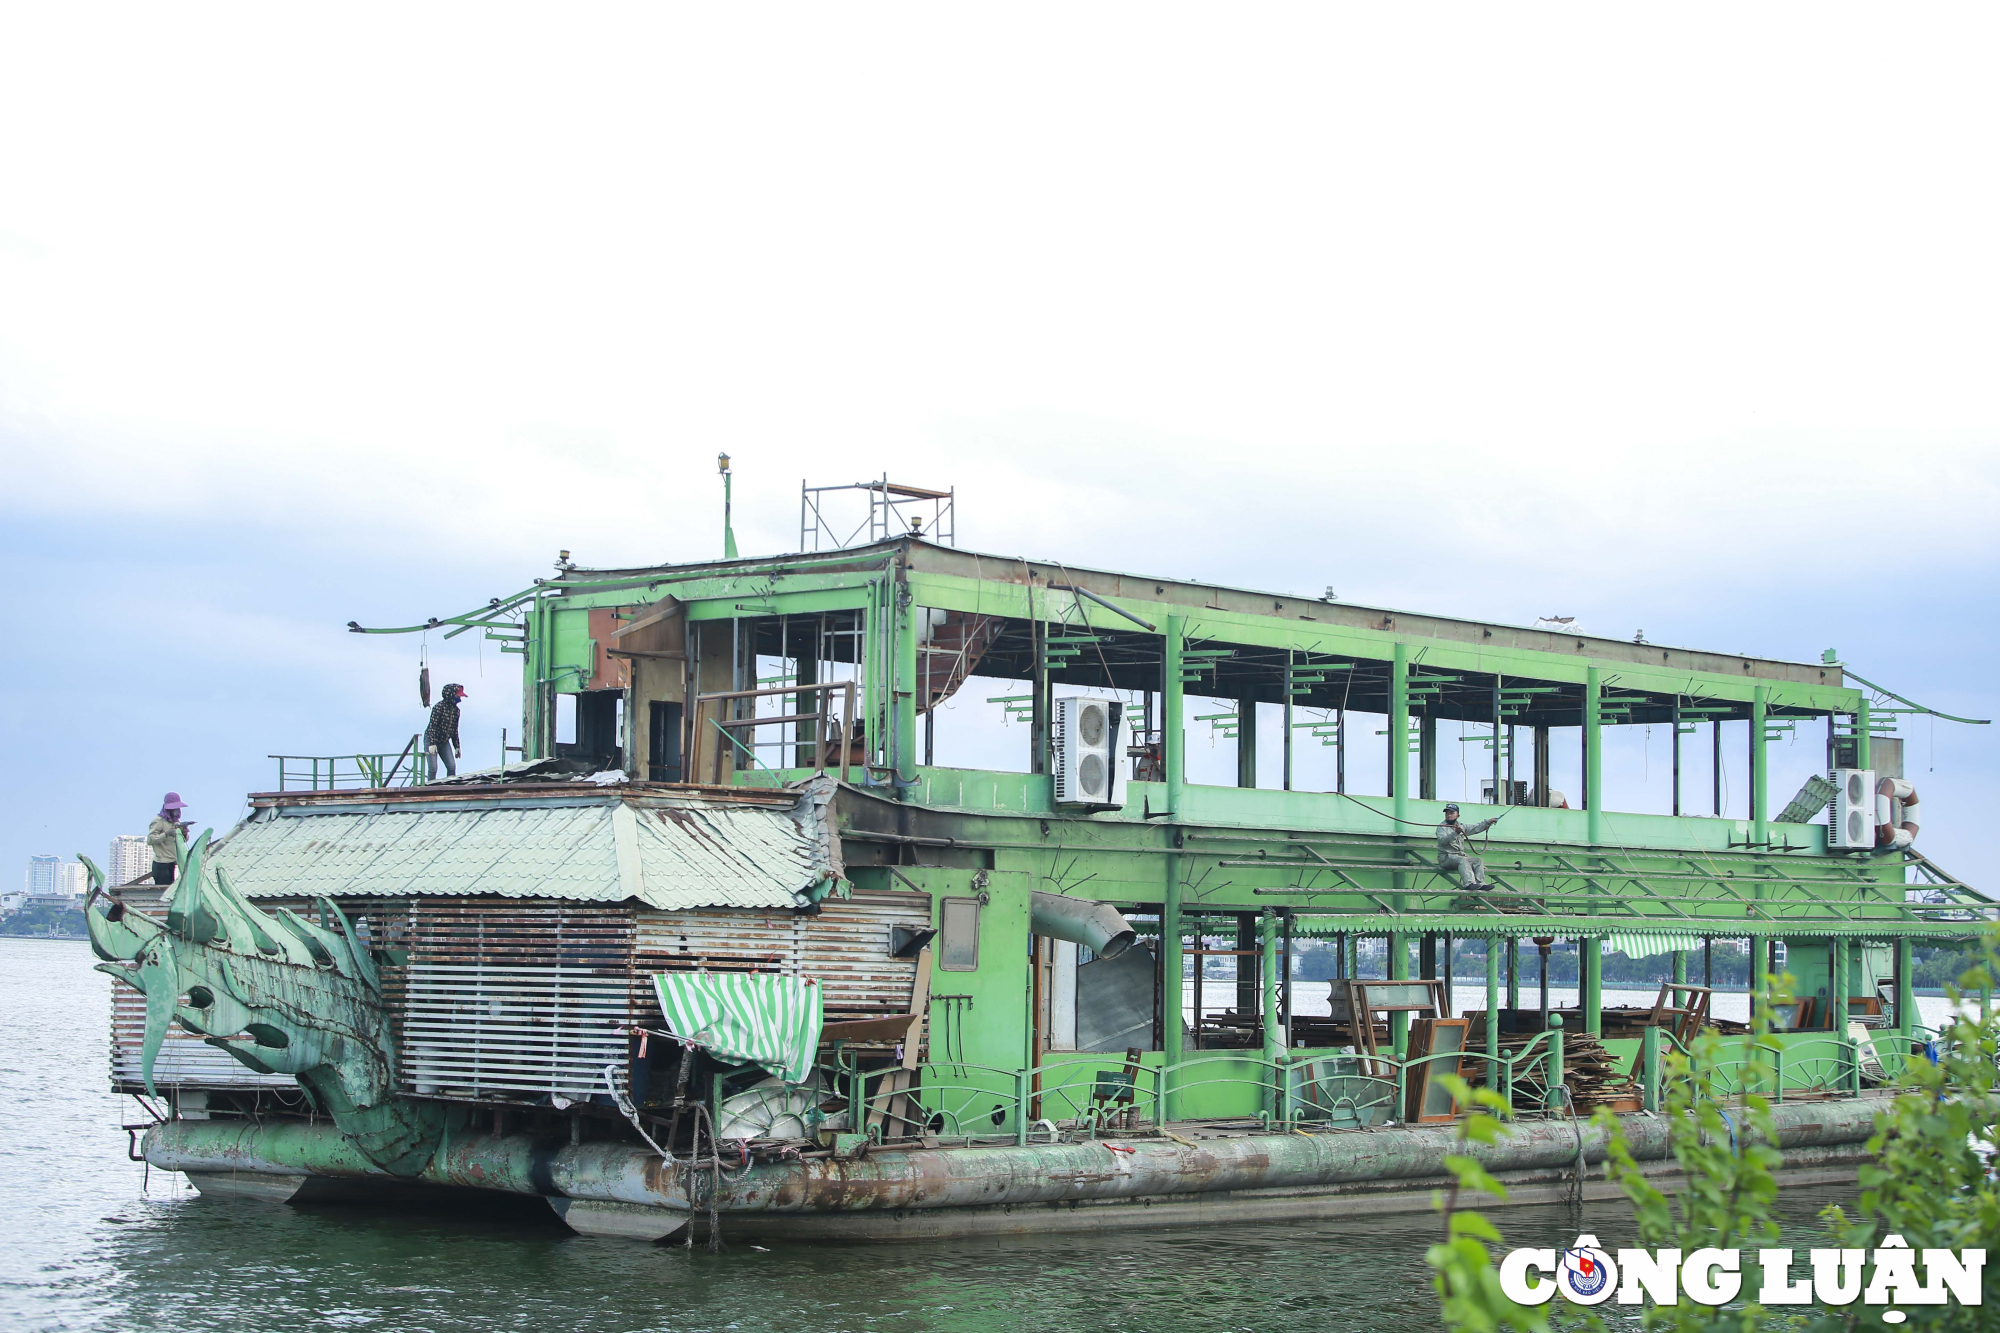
point(1305, 1089)
point(824, 738)
point(348, 772)
point(1320, 1089)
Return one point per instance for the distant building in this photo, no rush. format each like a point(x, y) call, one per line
point(130, 858)
point(44, 876)
point(11, 903)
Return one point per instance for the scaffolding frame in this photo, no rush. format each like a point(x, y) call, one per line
point(887, 517)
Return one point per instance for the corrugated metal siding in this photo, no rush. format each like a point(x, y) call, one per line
point(506, 999)
point(669, 855)
point(185, 1060)
point(496, 999)
point(845, 946)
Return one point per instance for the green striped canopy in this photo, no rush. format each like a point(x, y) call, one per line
point(746, 1018)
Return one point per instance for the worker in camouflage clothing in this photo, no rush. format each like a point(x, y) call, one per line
point(1455, 851)
point(441, 736)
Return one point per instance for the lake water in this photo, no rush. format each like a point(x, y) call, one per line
point(91, 1241)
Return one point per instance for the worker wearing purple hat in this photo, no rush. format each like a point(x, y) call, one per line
point(441, 736)
point(164, 837)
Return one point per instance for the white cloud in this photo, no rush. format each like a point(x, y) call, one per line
point(1501, 312)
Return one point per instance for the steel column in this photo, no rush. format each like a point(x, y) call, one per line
point(1173, 752)
point(1593, 753)
point(1760, 829)
point(1493, 1011)
point(904, 688)
point(1267, 939)
point(1399, 970)
point(1399, 730)
point(1591, 985)
point(1906, 990)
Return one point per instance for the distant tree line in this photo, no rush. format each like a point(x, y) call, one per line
point(60, 921)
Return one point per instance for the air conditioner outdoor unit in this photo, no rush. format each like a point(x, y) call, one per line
point(1084, 747)
point(1852, 825)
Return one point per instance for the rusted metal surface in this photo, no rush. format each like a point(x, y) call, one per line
point(845, 946)
point(971, 1178)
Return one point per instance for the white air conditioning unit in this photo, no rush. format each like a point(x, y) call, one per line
point(1852, 825)
point(1084, 746)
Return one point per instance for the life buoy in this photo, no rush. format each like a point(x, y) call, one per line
point(1888, 834)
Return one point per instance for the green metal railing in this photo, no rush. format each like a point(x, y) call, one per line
point(348, 772)
point(1308, 1089)
point(1327, 1090)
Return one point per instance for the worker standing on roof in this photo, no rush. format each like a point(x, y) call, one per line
point(163, 836)
point(1455, 852)
point(441, 736)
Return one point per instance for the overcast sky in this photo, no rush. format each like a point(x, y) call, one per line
point(1682, 323)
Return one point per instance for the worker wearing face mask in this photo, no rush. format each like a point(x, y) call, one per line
point(1455, 850)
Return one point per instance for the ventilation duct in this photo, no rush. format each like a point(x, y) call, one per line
point(1097, 926)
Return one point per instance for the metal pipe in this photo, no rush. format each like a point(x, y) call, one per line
point(1097, 926)
point(948, 1178)
point(1146, 625)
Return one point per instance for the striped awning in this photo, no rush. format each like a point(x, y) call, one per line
point(1647, 945)
point(746, 1018)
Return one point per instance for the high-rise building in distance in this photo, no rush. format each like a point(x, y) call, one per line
point(44, 876)
point(75, 879)
point(129, 859)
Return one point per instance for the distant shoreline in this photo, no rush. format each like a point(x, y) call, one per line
point(66, 938)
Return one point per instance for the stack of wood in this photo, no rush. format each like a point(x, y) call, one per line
point(1309, 1030)
point(1625, 1022)
point(1590, 1072)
